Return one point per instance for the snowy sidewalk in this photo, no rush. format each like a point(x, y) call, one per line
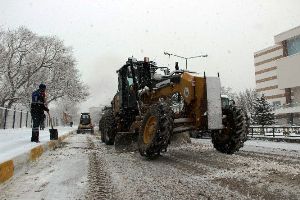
point(16, 149)
point(17, 141)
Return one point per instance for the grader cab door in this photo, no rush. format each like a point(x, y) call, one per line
point(126, 88)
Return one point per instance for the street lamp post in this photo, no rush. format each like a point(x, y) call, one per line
point(186, 58)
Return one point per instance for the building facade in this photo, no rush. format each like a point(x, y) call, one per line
point(277, 75)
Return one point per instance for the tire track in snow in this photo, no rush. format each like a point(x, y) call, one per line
point(99, 180)
point(231, 171)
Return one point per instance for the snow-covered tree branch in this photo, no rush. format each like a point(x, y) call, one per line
point(262, 113)
point(26, 60)
point(244, 99)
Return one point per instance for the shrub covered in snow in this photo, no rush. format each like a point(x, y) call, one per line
point(262, 113)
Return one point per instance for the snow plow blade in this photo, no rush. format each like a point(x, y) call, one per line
point(126, 141)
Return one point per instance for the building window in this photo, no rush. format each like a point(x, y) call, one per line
point(293, 45)
point(276, 104)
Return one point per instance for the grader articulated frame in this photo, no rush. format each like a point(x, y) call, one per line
point(149, 109)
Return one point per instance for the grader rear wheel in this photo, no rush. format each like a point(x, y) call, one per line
point(102, 137)
point(156, 130)
point(233, 136)
point(101, 127)
point(108, 127)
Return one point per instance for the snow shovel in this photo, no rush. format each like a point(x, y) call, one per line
point(53, 132)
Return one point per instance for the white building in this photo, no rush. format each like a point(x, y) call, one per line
point(277, 75)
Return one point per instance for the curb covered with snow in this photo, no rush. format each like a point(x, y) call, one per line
point(276, 139)
point(11, 166)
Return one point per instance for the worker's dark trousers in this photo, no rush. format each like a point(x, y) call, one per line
point(36, 121)
point(42, 125)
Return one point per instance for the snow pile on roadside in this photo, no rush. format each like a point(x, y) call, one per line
point(14, 142)
point(276, 145)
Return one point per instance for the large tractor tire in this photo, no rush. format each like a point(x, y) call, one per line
point(101, 129)
point(102, 137)
point(156, 130)
point(109, 127)
point(235, 131)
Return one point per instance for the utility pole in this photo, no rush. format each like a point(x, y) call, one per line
point(186, 58)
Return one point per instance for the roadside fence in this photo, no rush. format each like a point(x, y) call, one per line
point(259, 131)
point(13, 118)
point(274, 131)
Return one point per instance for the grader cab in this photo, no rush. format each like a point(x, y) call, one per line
point(149, 108)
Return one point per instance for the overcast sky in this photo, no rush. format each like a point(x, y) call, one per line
point(104, 33)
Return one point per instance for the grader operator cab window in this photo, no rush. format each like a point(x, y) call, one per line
point(225, 101)
point(126, 87)
point(130, 88)
point(130, 81)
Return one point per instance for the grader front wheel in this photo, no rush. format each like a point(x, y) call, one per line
point(156, 130)
point(234, 134)
point(150, 129)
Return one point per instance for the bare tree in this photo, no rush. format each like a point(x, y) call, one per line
point(246, 100)
point(28, 60)
point(15, 45)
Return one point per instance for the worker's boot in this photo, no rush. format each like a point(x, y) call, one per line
point(35, 135)
point(32, 137)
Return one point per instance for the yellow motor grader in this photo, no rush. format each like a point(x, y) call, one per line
point(152, 104)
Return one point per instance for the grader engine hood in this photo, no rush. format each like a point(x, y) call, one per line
point(214, 108)
point(202, 96)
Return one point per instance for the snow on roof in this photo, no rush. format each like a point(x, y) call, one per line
point(224, 96)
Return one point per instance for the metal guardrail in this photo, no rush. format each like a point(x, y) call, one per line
point(274, 131)
point(254, 131)
point(13, 118)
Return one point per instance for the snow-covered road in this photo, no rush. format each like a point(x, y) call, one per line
point(85, 168)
